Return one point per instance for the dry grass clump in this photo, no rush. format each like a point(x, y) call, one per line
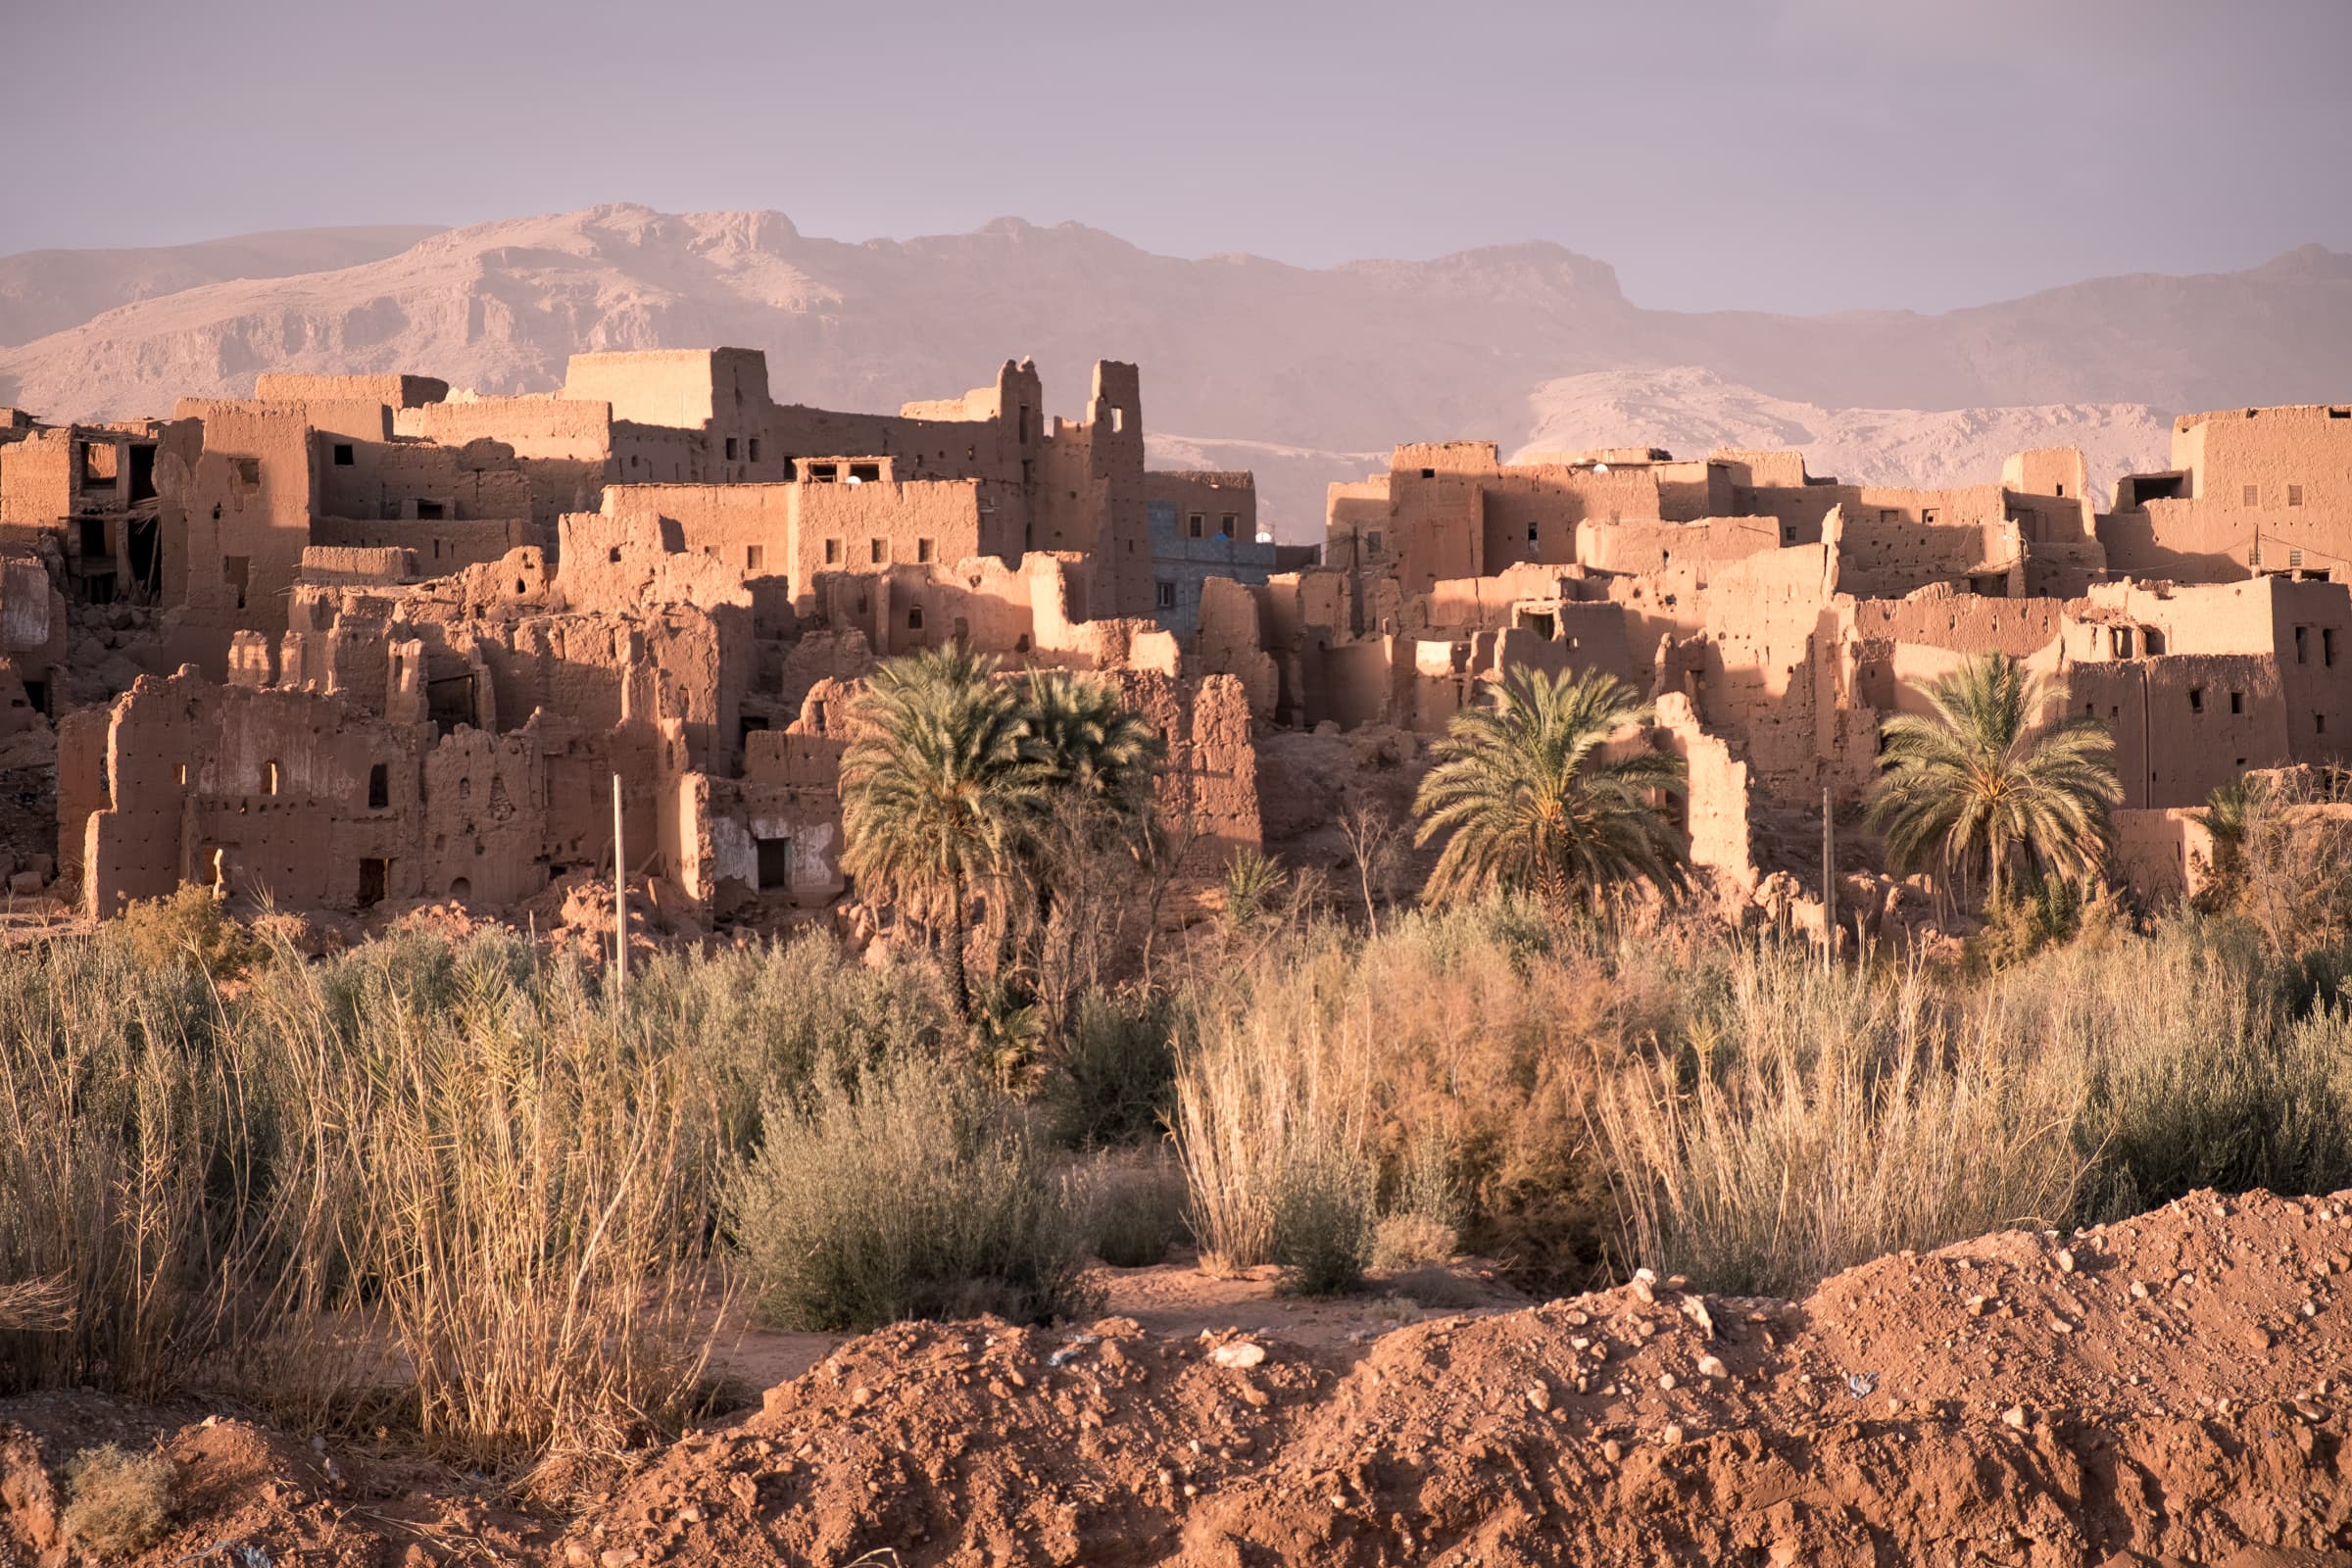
point(497, 1167)
point(1822, 1118)
point(125, 1156)
point(911, 1190)
point(1439, 1068)
point(118, 1504)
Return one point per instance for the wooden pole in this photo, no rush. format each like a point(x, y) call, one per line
point(620, 905)
point(1828, 880)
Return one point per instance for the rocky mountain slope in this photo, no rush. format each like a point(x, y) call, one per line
point(1237, 349)
point(1688, 408)
point(49, 290)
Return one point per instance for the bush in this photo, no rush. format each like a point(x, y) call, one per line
point(769, 1021)
point(910, 1192)
point(1461, 1041)
point(189, 927)
point(116, 1503)
point(1132, 1204)
point(2200, 1067)
point(1110, 1080)
point(1325, 1206)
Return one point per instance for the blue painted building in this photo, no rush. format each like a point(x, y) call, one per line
point(1203, 525)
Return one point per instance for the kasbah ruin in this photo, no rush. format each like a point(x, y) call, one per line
point(361, 642)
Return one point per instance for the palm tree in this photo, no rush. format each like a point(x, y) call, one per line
point(2231, 814)
point(1535, 803)
point(936, 788)
point(1985, 781)
point(1092, 749)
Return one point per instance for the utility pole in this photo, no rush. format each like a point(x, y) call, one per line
point(620, 905)
point(1829, 881)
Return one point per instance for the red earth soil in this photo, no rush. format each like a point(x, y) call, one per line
point(2173, 1388)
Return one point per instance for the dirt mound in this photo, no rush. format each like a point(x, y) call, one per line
point(2170, 1389)
point(2164, 1390)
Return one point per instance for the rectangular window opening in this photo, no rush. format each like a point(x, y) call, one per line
point(754, 558)
point(2237, 702)
point(926, 550)
point(1167, 595)
point(2197, 699)
point(344, 455)
point(380, 787)
point(832, 552)
point(731, 446)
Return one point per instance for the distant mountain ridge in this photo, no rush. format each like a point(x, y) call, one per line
point(51, 290)
point(1311, 369)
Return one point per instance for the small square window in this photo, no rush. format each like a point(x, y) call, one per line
point(344, 457)
point(880, 550)
point(832, 552)
point(925, 550)
point(2295, 495)
point(2253, 495)
point(1930, 517)
point(754, 558)
point(866, 472)
point(1429, 473)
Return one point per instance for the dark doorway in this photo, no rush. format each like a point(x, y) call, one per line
point(142, 475)
point(449, 700)
point(775, 864)
point(146, 561)
point(372, 881)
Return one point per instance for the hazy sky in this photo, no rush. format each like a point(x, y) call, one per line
point(1800, 154)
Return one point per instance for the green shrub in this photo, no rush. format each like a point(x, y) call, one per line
point(1326, 1206)
point(910, 1192)
point(1111, 1079)
point(1132, 1203)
